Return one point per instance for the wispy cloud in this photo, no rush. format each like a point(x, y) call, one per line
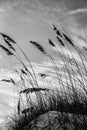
point(77, 11)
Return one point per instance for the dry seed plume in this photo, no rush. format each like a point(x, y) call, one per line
point(54, 27)
point(31, 90)
point(51, 43)
point(6, 80)
point(59, 40)
point(57, 31)
point(23, 72)
point(6, 37)
point(38, 46)
point(6, 50)
point(9, 81)
point(10, 46)
point(18, 107)
point(68, 39)
point(12, 81)
point(43, 75)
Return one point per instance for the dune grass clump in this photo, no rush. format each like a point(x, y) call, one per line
point(69, 115)
point(69, 97)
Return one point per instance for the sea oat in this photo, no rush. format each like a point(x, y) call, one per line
point(6, 37)
point(54, 27)
point(10, 46)
point(6, 80)
point(43, 75)
point(68, 39)
point(51, 43)
point(59, 40)
point(6, 50)
point(23, 72)
point(18, 107)
point(38, 46)
point(12, 81)
point(57, 31)
point(31, 90)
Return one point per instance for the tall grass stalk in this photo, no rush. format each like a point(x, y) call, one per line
point(69, 98)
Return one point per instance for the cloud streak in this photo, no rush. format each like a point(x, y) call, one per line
point(77, 11)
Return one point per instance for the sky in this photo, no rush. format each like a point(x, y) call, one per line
point(26, 20)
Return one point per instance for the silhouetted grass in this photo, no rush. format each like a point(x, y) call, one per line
point(38, 46)
point(73, 113)
point(68, 100)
